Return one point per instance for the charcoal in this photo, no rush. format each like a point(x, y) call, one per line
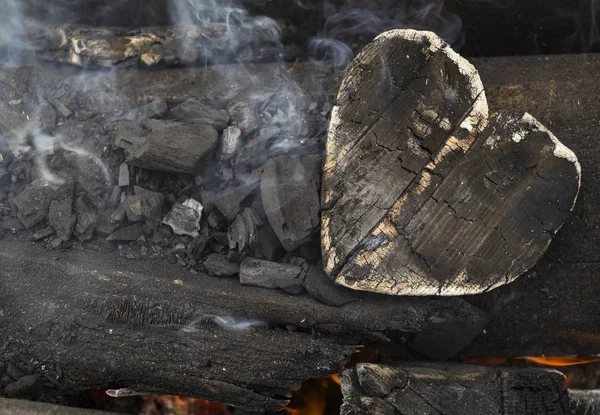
point(184, 218)
point(216, 220)
point(33, 202)
point(323, 289)
point(47, 115)
point(220, 266)
point(4, 177)
point(256, 151)
point(273, 275)
point(194, 112)
point(93, 188)
point(196, 248)
point(243, 116)
point(128, 233)
point(267, 245)
point(123, 175)
point(229, 201)
point(145, 204)
point(43, 234)
point(229, 142)
point(104, 226)
point(12, 224)
point(115, 196)
point(290, 196)
point(155, 108)
point(61, 108)
point(165, 145)
point(118, 215)
point(242, 233)
point(25, 387)
point(86, 219)
point(61, 218)
point(14, 372)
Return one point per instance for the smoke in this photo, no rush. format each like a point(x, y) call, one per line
point(587, 23)
point(227, 323)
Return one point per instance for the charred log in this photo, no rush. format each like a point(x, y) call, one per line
point(415, 388)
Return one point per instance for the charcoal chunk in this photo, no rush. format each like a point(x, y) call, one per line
point(229, 142)
point(242, 233)
point(166, 145)
point(33, 203)
point(273, 275)
point(128, 233)
point(61, 218)
point(124, 179)
point(184, 218)
point(194, 112)
point(86, 219)
point(25, 387)
point(219, 265)
point(323, 289)
point(154, 108)
point(243, 116)
point(145, 204)
point(290, 196)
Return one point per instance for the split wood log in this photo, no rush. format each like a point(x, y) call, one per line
point(117, 47)
point(584, 402)
point(421, 388)
point(82, 320)
point(422, 193)
point(22, 407)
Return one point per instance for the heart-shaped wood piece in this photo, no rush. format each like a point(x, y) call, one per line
point(422, 193)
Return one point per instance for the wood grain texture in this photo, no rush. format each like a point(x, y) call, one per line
point(426, 195)
point(445, 389)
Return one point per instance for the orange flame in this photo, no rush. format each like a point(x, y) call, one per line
point(312, 397)
point(560, 361)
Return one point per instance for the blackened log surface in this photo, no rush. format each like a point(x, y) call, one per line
point(425, 195)
point(109, 47)
point(22, 407)
point(82, 316)
point(420, 388)
point(584, 402)
point(547, 311)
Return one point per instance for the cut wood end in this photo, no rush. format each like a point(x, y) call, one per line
point(422, 193)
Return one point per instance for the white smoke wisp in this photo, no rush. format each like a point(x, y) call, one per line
point(227, 323)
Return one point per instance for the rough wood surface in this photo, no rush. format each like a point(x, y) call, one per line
point(415, 388)
point(21, 407)
point(422, 194)
point(109, 47)
point(83, 320)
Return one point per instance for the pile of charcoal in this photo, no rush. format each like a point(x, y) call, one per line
point(230, 191)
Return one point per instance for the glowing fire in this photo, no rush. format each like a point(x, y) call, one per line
point(560, 361)
point(314, 396)
point(179, 405)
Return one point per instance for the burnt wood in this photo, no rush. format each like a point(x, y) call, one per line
point(422, 193)
point(80, 320)
point(22, 407)
point(421, 388)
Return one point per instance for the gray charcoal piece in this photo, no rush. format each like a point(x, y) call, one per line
point(167, 146)
point(273, 275)
point(219, 265)
point(61, 218)
point(229, 141)
point(124, 179)
point(12, 224)
point(243, 116)
point(25, 387)
point(242, 233)
point(128, 233)
point(4, 177)
point(43, 234)
point(267, 244)
point(145, 204)
point(323, 289)
point(184, 218)
point(86, 219)
point(155, 108)
point(290, 195)
point(194, 112)
point(33, 202)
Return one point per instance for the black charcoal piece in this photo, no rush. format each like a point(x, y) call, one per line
point(290, 196)
point(184, 218)
point(194, 112)
point(320, 286)
point(61, 218)
point(145, 204)
point(166, 145)
point(242, 233)
point(33, 202)
point(86, 219)
point(128, 233)
point(219, 265)
point(273, 275)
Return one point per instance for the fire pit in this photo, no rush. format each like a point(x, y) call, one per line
point(253, 203)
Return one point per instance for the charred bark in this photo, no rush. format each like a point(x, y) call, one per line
point(415, 388)
point(22, 407)
point(81, 320)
